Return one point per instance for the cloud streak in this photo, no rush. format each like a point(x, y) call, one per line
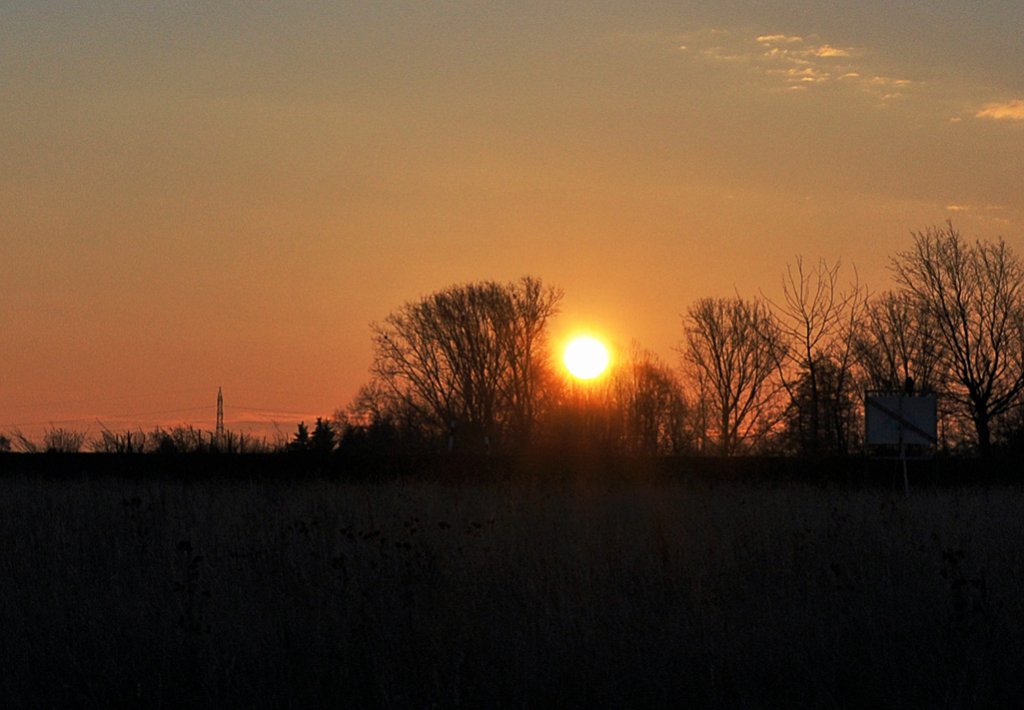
point(797, 62)
point(780, 39)
point(1009, 111)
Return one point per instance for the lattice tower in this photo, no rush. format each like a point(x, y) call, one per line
point(219, 432)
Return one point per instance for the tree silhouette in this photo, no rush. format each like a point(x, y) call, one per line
point(817, 318)
point(110, 442)
point(896, 342)
point(300, 442)
point(62, 441)
point(820, 416)
point(652, 406)
point(973, 294)
point(324, 437)
point(732, 348)
point(469, 360)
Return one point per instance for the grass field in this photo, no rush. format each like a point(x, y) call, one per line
point(303, 594)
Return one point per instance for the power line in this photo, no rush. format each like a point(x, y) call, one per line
point(266, 410)
point(219, 421)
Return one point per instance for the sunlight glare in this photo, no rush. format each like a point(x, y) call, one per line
point(585, 357)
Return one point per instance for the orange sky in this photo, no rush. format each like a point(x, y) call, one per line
point(195, 197)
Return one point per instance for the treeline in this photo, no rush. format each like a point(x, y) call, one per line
point(470, 368)
point(183, 439)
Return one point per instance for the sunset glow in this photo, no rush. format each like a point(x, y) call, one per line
point(227, 194)
point(586, 357)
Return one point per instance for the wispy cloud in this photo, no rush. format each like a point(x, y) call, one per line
point(827, 50)
point(797, 62)
point(808, 64)
point(986, 213)
point(780, 39)
point(1008, 111)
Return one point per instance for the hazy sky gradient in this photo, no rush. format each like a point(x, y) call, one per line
point(194, 196)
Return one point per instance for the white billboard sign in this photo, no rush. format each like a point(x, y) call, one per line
point(894, 419)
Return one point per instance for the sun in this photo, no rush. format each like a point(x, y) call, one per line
point(585, 357)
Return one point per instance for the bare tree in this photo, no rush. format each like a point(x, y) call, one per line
point(897, 348)
point(469, 358)
point(652, 408)
point(823, 406)
point(731, 350)
point(377, 405)
point(528, 308)
point(896, 345)
point(377, 420)
point(974, 294)
point(817, 318)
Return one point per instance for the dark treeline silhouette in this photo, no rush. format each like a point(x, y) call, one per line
point(468, 371)
point(182, 439)
point(755, 377)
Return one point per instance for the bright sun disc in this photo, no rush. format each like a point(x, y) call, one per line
point(585, 357)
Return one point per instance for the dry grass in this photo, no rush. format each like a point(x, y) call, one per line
point(417, 595)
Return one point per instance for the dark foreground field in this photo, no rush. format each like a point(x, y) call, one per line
point(303, 594)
